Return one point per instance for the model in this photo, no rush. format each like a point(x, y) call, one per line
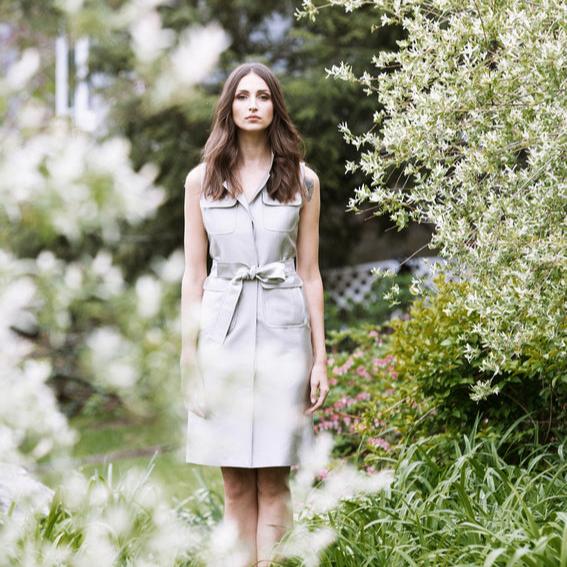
point(254, 367)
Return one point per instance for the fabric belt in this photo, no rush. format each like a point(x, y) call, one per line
point(237, 272)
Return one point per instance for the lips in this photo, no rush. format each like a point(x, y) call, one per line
point(252, 117)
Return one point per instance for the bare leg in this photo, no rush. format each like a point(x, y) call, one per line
point(241, 505)
point(275, 513)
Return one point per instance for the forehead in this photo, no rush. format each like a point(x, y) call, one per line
point(252, 82)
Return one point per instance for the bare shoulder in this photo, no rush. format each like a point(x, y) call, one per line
point(311, 181)
point(193, 179)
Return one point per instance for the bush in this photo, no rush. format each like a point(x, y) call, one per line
point(369, 409)
point(439, 349)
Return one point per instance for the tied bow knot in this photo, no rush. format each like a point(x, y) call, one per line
point(249, 274)
point(271, 273)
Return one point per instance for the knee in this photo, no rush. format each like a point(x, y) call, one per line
point(238, 486)
point(272, 484)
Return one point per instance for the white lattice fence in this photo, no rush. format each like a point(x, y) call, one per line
point(354, 282)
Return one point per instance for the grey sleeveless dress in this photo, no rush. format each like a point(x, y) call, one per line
point(254, 346)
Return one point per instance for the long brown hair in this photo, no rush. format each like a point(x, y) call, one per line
point(221, 154)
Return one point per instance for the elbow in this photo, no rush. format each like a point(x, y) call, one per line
point(193, 279)
point(313, 275)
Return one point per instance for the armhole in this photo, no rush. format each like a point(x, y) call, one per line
point(203, 168)
point(302, 179)
point(308, 190)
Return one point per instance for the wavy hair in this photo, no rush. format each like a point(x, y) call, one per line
point(221, 152)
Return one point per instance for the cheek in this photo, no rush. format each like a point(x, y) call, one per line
point(270, 110)
point(237, 110)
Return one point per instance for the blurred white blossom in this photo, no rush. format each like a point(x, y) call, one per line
point(31, 424)
point(171, 269)
point(19, 73)
point(112, 358)
point(189, 63)
point(149, 292)
point(149, 39)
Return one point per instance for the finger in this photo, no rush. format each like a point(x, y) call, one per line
point(322, 397)
point(313, 396)
point(315, 406)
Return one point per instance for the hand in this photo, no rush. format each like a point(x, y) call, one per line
point(195, 400)
point(194, 397)
point(318, 380)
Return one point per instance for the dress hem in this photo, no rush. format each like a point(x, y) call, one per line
point(225, 464)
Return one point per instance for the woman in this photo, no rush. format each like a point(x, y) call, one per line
point(258, 357)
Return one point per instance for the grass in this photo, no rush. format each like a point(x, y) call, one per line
point(469, 507)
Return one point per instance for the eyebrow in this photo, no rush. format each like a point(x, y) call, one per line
point(258, 91)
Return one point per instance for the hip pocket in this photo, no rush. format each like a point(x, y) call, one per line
point(213, 295)
point(284, 306)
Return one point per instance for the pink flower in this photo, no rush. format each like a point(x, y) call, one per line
point(344, 402)
point(379, 442)
point(376, 335)
point(322, 474)
point(339, 370)
point(361, 371)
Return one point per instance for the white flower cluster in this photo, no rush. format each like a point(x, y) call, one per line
point(99, 523)
point(31, 425)
point(71, 184)
point(166, 64)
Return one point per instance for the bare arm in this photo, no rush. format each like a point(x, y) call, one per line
point(308, 270)
point(195, 272)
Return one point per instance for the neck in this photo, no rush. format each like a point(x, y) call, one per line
point(253, 149)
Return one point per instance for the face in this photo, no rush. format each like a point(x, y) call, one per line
point(252, 98)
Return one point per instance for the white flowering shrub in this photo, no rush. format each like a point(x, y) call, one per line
point(469, 134)
point(60, 184)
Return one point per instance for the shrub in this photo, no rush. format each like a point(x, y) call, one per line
point(440, 349)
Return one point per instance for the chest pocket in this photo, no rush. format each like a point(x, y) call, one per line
point(219, 216)
point(282, 217)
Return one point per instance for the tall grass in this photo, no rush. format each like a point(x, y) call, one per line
point(468, 506)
